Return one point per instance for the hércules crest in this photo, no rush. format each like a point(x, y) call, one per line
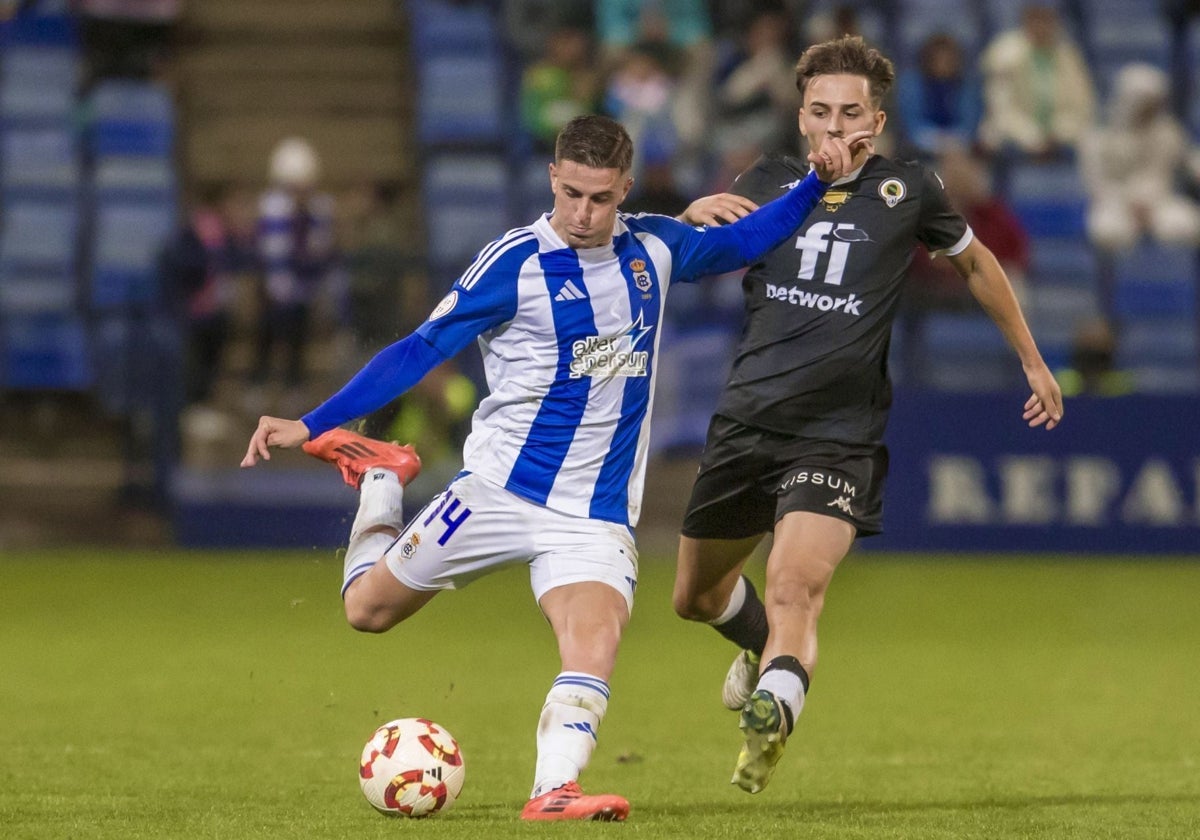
point(892, 191)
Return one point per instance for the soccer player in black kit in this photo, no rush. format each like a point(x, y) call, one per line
point(796, 444)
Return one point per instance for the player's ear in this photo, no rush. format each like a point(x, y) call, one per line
point(628, 187)
point(553, 178)
point(800, 120)
point(880, 119)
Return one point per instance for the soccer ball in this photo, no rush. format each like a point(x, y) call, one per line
point(411, 767)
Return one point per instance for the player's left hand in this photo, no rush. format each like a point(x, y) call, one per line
point(835, 158)
point(1045, 406)
point(274, 431)
point(717, 209)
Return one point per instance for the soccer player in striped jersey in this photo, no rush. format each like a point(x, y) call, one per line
point(567, 312)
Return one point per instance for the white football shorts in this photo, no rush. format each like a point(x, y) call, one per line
point(474, 527)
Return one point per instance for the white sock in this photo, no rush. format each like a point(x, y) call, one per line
point(379, 504)
point(736, 600)
point(567, 729)
point(380, 499)
point(786, 686)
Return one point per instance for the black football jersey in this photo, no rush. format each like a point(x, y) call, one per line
point(812, 360)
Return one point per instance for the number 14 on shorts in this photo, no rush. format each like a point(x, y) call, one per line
point(452, 513)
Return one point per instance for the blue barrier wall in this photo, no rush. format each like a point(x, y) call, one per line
point(1119, 475)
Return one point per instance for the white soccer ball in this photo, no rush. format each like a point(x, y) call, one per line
point(411, 767)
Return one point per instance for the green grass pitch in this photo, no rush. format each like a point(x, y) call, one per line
point(210, 695)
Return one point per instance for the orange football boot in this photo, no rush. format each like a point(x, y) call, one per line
point(570, 803)
point(354, 455)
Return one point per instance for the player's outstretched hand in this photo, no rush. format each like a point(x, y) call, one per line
point(717, 209)
point(273, 431)
point(1045, 406)
point(835, 157)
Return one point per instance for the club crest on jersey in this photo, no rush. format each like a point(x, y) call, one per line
point(641, 277)
point(445, 306)
point(834, 199)
point(892, 191)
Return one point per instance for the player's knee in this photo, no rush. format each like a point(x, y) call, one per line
point(796, 593)
point(697, 606)
point(366, 617)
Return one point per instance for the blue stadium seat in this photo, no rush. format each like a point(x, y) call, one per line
point(1155, 281)
point(131, 118)
point(1159, 341)
point(965, 352)
point(39, 162)
point(461, 100)
point(440, 27)
point(1048, 198)
point(36, 293)
point(467, 202)
point(922, 18)
point(1063, 262)
point(45, 352)
point(39, 235)
point(127, 238)
point(38, 83)
point(44, 23)
point(1120, 32)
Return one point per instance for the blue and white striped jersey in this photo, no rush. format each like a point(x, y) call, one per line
point(569, 338)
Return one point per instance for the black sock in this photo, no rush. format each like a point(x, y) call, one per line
point(748, 628)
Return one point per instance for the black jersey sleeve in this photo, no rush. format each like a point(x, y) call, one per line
point(765, 179)
point(940, 226)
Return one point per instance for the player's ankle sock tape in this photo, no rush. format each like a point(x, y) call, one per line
point(789, 663)
point(747, 626)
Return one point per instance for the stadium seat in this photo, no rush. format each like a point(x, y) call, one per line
point(130, 118)
point(36, 293)
point(39, 235)
point(1063, 262)
point(1048, 198)
point(461, 100)
point(1119, 32)
point(41, 23)
point(964, 352)
point(1155, 281)
point(126, 240)
point(39, 162)
point(1159, 341)
point(441, 27)
point(45, 352)
point(467, 205)
point(38, 83)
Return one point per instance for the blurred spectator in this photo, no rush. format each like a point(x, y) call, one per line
point(678, 33)
point(370, 241)
point(754, 97)
point(199, 267)
point(530, 23)
point(933, 283)
point(640, 93)
point(296, 249)
point(830, 23)
point(655, 190)
point(1038, 92)
point(939, 100)
point(561, 85)
point(127, 38)
point(1093, 359)
point(1135, 163)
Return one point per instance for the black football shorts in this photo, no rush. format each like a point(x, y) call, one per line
point(749, 478)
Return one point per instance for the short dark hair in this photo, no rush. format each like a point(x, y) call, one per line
point(596, 141)
point(848, 55)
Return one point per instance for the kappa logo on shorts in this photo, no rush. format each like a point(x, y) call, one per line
point(842, 503)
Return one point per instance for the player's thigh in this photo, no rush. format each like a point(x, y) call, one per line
point(806, 551)
point(571, 549)
point(377, 600)
point(470, 529)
